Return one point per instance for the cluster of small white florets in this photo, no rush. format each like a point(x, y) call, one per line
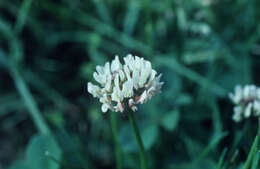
point(133, 83)
point(247, 101)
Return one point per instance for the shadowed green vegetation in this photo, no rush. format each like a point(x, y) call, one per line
point(49, 50)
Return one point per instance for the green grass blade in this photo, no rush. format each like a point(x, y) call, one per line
point(15, 46)
point(211, 146)
point(131, 17)
point(29, 101)
point(22, 15)
point(15, 58)
point(221, 159)
point(233, 150)
point(3, 61)
point(102, 11)
point(256, 160)
point(253, 149)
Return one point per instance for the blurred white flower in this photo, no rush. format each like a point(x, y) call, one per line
point(247, 102)
point(134, 82)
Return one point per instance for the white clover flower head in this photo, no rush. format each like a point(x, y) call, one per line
point(247, 102)
point(125, 85)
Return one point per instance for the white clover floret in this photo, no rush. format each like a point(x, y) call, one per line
point(134, 82)
point(246, 100)
point(94, 90)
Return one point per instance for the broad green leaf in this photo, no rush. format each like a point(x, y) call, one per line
point(149, 136)
point(170, 120)
point(37, 150)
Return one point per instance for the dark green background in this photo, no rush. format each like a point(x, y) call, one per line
point(203, 48)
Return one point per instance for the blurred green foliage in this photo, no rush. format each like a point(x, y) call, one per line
point(49, 50)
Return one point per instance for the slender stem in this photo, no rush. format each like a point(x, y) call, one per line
point(139, 140)
point(12, 64)
point(22, 15)
point(29, 102)
point(253, 149)
point(118, 153)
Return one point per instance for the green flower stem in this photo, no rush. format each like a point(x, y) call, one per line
point(139, 140)
point(118, 153)
point(253, 149)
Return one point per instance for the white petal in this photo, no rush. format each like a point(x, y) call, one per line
point(153, 74)
point(134, 108)
point(116, 81)
point(155, 86)
point(128, 89)
point(238, 110)
point(104, 108)
point(103, 99)
point(94, 90)
point(128, 58)
point(138, 63)
point(252, 91)
point(100, 69)
point(115, 95)
point(237, 117)
point(256, 107)
point(99, 78)
point(145, 73)
point(238, 95)
point(131, 104)
point(246, 91)
point(136, 76)
point(238, 88)
point(108, 83)
point(116, 65)
point(248, 110)
point(129, 61)
point(143, 97)
point(233, 98)
point(258, 93)
point(121, 75)
point(107, 69)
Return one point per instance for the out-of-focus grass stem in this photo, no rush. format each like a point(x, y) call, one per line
point(22, 15)
point(29, 101)
point(253, 149)
point(12, 63)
